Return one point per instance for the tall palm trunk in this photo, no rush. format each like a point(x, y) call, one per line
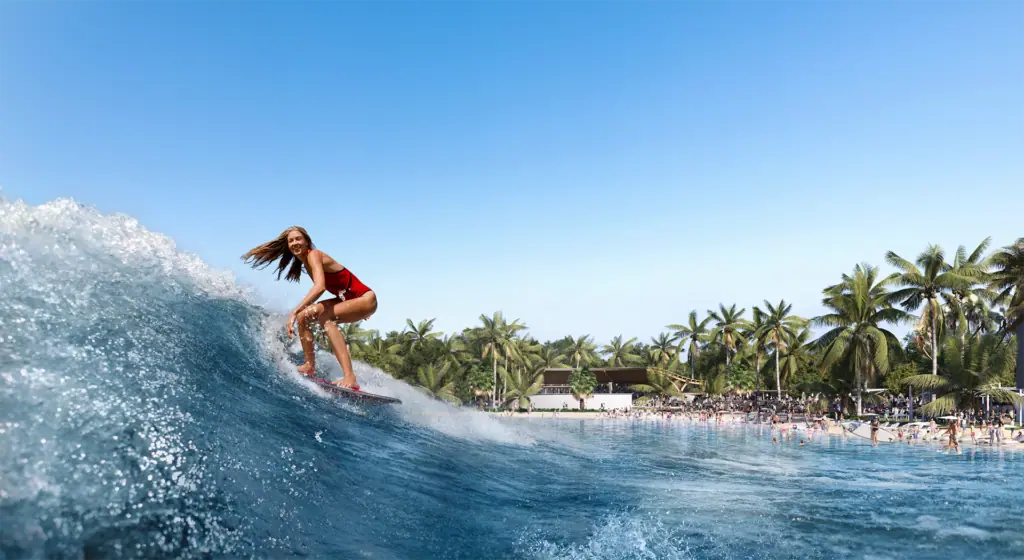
point(757, 370)
point(494, 388)
point(969, 331)
point(910, 403)
point(858, 376)
point(778, 382)
point(1020, 356)
point(935, 350)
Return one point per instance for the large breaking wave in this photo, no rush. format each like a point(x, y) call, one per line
point(148, 409)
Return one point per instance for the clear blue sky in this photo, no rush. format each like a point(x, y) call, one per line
point(596, 168)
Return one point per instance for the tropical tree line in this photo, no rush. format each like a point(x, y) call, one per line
point(966, 313)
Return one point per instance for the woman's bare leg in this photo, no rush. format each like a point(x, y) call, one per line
point(306, 338)
point(340, 347)
point(350, 311)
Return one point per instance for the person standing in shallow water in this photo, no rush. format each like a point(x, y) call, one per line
point(354, 301)
point(953, 444)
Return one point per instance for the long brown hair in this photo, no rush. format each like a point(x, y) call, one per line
point(270, 251)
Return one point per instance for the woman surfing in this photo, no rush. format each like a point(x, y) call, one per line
point(353, 302)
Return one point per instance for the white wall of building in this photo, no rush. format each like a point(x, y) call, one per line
point(610, 401)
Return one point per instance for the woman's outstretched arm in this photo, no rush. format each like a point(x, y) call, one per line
point(316, 270)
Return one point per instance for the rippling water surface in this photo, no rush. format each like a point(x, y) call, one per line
point(149, 409)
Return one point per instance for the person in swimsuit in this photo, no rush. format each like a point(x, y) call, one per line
point(353, 301)
point(953, 444)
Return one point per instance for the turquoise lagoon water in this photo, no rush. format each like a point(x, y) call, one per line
point(703, 490)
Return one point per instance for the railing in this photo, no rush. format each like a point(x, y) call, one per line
point(600, 389)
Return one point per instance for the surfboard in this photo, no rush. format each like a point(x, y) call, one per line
point(359, 395)
point(863, 429)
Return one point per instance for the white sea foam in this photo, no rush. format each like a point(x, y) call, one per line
point(68, 230)
point(618, 538)
point(416, 408)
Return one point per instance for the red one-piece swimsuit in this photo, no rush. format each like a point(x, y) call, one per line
point(344, 284)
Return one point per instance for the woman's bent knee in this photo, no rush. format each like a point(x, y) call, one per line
point(371, 303)
point(312, 312)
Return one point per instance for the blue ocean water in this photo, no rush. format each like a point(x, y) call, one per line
point(149, 410)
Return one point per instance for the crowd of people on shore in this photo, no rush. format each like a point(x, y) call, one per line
point(791, 420)
point(894, 408)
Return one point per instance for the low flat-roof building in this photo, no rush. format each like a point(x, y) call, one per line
point(612, 389)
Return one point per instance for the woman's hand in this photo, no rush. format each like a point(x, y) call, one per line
point(291, 323)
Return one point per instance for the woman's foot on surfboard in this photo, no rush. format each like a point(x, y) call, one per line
point(347, 382)
point(306, 369)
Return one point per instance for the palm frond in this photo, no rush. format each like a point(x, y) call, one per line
point(881, 349)
point(942, 405)
point(901, 263)
point(979, 251)
point(837, 348)
point(928, 382)
point(1004, 396)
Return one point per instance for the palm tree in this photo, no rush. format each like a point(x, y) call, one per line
point(620, 354)
point(715, 382)
point(581, 349)
point(728, 331)
point(526, 351)
point(859, 304)
point(582, 384)
point(353, 333)
point(659, 385)
point(974, 311)
point(925, 282)
point(492, 336)
point(521, 386)
point(380, 352)
point(547, 358)
point(778, 328)
point(417, 333)
point(453, 347)
point(511, 345)
point(759, 346)
point(1007, 280)
point(797, 351)
point(970, 305)
point(973, 369)
point(437, 383)
point(663, 349)
point(694, 332)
